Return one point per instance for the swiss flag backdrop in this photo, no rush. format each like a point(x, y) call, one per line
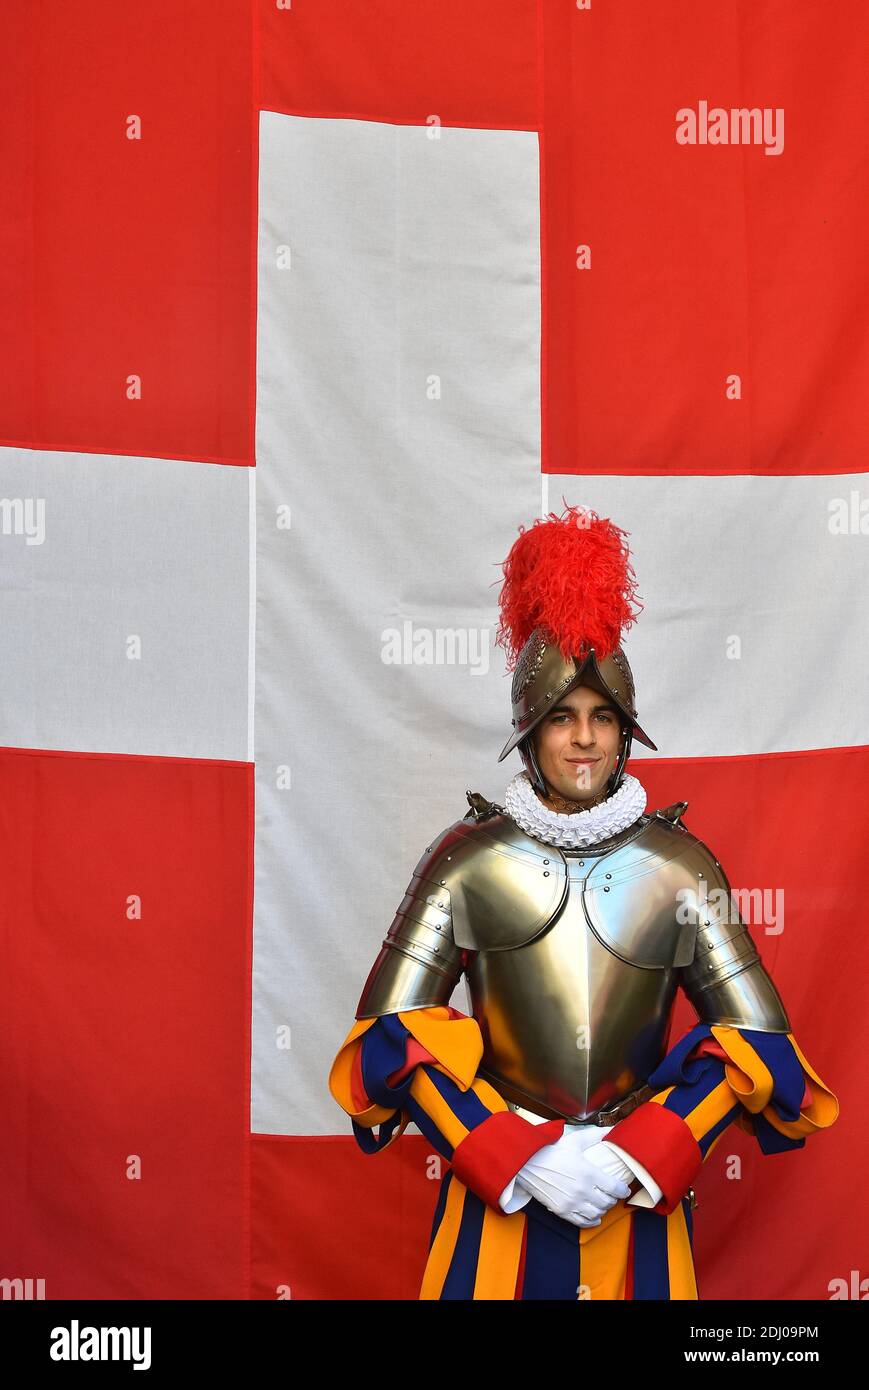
point(308, 306)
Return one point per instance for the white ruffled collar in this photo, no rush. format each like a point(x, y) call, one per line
point(524, 806)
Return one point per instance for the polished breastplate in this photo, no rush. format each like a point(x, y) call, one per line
point(572, 958)
point(577, 1018)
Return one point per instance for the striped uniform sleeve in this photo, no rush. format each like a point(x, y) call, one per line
point(716, 1075)
point(421, 1066)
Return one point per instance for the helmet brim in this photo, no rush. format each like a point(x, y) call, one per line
point(588, 674)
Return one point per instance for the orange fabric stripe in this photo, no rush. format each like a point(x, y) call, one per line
point(710, 1110)
point(499, 1254)
point(423, 1090)
point(457, 1043)
point(444, 1245)
point(603, 1255)
point(752, 1083)
point(750, 1079)
point(341, 1082)
point(683, 1281)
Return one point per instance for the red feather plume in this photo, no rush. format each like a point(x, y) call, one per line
point(572, 576)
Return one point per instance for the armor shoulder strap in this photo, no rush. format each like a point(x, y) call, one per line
point(725, 981)
point(481, 809)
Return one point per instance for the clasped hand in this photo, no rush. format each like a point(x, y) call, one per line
point(567, 1176)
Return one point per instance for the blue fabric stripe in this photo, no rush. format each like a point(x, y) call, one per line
point(674, 1068)
point(383, 1051)
point(384, 1048)
point(551, 1256)
point(685, 1096)
point(460, 1277)
point(777, 1053)
point(441, 1206)
point(465, 1104)
point(365, 1137)
point(651, 1268)
point(771, 1141)
point(426, 1125)
point(689, 1221)
point(708, 1139)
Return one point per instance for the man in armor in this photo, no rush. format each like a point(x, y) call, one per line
point(573, 1135)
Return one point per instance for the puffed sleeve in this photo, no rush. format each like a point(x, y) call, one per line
point(421, 1065)
point(715, 1076)
point(741, 1063)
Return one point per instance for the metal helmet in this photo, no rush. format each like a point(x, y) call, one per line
point(543, 675)
point(565, 602)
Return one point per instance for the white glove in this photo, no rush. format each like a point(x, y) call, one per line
point(615, 1160)
point(608, 1157)
point(567, 1182)
point(618, 1163)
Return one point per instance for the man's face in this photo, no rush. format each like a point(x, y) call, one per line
point(578, 744)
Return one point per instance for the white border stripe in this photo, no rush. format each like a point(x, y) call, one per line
point(251, 615)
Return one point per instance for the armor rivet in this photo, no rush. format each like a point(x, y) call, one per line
point(545, 873)
point(581, 863)
point(609, 875)
point(546, 861)
point(606, 890)
point(443, 882)
point(437, 948)
point(706, 924)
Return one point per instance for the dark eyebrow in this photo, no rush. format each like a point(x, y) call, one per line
point(568, 709)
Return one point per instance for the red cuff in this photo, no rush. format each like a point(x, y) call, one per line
point(493, 1152)
point(660, 1140)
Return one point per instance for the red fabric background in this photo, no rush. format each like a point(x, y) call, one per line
point(125, 1039)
